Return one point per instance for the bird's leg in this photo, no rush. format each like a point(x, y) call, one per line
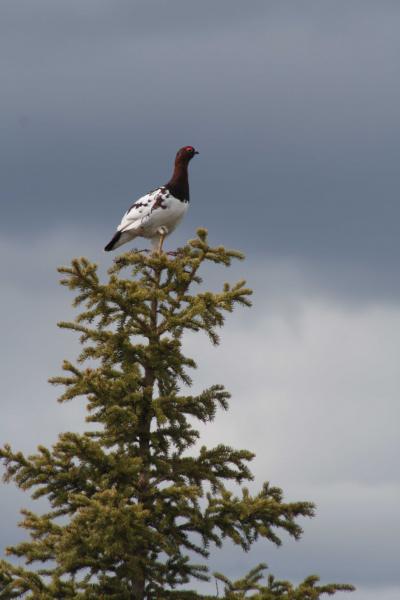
point(162, 232)
point(160, 243)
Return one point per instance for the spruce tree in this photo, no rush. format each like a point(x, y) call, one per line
point(134, 503)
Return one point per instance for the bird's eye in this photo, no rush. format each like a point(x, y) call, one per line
point(189, 149)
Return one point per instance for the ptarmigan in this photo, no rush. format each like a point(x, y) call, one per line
point(155, 215)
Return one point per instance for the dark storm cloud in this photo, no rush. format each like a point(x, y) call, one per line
point(295, 113)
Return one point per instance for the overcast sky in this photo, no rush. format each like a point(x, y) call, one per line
point(294, 107)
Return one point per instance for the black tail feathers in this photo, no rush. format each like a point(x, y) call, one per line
point(111, 244)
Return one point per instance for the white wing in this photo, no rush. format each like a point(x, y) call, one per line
point(141, 210)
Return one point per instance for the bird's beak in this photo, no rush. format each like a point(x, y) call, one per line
point(196, 152)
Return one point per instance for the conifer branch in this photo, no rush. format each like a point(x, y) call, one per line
point(284, 590)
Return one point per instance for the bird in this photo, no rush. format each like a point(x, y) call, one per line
point(156, 214)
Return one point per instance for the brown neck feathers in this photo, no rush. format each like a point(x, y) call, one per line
point(178, 185)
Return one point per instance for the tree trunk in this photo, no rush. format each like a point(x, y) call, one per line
point(138, 586)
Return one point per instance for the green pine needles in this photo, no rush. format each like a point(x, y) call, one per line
point(133, 500)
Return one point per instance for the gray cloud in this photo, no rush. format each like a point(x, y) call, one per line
point(328, 379)
point(295, 114)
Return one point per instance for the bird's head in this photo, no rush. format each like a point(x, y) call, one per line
point(185, 154)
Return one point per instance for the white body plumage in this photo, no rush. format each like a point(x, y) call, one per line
point(154, 215)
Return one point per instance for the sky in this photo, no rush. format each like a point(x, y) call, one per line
point(294, 108)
